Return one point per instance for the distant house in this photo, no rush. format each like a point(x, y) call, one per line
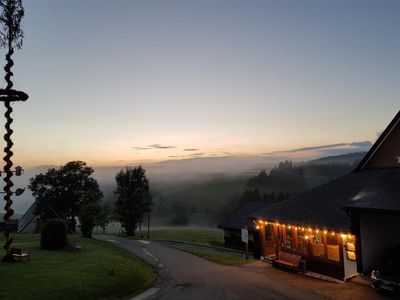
point(240, 218)
point(342, 227)
point(29, 222)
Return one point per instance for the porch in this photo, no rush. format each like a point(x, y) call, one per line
point(323, 251)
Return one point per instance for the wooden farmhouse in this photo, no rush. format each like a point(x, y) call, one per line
point(239, 219)
point(344, 227)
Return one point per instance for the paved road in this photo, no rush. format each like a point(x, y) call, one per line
point(184, 276)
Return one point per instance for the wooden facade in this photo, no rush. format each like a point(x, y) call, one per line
point(322, 251)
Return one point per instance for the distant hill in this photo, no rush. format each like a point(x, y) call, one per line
point(322, 170)
point(292, 178)
point(351, 159)
point(218, 194)
point(296, 178)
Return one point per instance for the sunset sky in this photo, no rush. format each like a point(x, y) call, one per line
point(116, 82)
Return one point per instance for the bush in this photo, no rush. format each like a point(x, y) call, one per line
point(53, 235)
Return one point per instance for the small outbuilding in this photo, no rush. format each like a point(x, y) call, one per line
point(240, 218)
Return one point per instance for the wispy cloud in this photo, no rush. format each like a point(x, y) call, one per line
point(197, 154)
point(354, 145)
point(308, 148)
point(159, 146)
point(191, 149)
point(361, 144)
point(152, 147)
point(141, 148)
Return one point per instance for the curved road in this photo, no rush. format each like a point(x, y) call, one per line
point(185, 276)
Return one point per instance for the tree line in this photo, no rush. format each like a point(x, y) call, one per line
point(289, 179)
point(71, 193)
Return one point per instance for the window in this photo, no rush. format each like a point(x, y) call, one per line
point(333, 247)
point(289, 238)
point(268, 232)
point(350, 250)
point(318, 248)
point(281, 236)
point(302, 243)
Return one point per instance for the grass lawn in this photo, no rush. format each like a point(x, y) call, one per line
point(218, 258)
point(199, 236)
point(85, 274)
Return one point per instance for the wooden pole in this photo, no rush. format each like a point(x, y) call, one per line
point(148, 225)
point(247, 244)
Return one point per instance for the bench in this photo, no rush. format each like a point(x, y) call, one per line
point(19, 255)
point(288, 260)
point(73, 247)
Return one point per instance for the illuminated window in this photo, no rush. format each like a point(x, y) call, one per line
point(350, 251)
point(317, 247)
point(281, 233)
point(289, 238)
point(333, 247)
point(302, 243)
point(268, 232)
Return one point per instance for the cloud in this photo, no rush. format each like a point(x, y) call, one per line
point(152, 147)
point(141, 148)
point(197, 154)
point(159, 146)
point(355, 146)
point(308, 148)
point(191, 149)
point(361, 144)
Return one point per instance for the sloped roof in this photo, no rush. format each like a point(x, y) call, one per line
point(242, 215)
point(27, 217)
point(381, 195)
point(393, 126)
point(323, 206)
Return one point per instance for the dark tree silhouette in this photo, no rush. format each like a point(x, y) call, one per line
point(105, 216)
point(66, 193)
point(134, 199)
point(87, 216)
point(11, 37)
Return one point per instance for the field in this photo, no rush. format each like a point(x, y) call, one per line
point(219, 258)
point(193, 241)
point(98, 271)
point(200, 236)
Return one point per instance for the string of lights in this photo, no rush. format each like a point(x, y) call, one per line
point(308, 230)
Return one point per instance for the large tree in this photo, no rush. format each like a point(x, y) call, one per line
point(63, 192)
point(134, 198)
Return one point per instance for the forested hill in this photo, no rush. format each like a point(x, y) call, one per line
point(217, 196)
point(296, 178)
point(286, 177)
point(351, 159)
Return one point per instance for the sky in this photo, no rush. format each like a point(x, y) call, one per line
point(122, 82)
